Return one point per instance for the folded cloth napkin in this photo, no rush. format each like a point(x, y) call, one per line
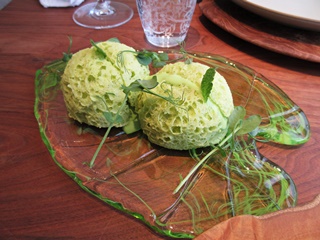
point(60, 3)
point(298, 223)
point(4, 3)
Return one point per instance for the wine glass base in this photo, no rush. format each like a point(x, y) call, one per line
point(85, 17)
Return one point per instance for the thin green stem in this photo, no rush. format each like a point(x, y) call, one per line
point(100, 146)
point(229, 186)
point(107, 133)
point(194, 169)
point(220, 145)
point(135, 194)
point(201, 162)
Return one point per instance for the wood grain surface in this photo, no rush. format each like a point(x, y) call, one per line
point(262, 32)
point(37, 200)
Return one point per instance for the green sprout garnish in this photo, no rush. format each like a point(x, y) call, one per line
point(113, 119)
point(52, 72)
point(146, 58)
point(68, 55)
point(237, 126)
point(146, 86)
point(100, 52)
point(157, 59)
point(141, 85)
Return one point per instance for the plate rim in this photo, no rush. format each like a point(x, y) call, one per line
point(281, 17)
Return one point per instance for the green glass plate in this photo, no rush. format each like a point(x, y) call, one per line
point(139, 178)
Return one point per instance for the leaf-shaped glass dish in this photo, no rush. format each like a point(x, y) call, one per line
point(137, 177)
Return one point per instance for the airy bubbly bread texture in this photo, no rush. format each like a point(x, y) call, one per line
point(91, 84)
point(189, 122)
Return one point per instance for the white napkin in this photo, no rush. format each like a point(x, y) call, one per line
point(4, 3)
point(60, 3)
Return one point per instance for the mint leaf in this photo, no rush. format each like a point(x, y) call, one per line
point(206, 83)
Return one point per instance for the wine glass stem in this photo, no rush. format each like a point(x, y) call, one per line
point(103, 8)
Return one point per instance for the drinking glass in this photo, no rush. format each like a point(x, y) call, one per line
point(102, 14)
point(166, 22)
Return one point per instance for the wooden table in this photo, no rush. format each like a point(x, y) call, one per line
point(37, 200)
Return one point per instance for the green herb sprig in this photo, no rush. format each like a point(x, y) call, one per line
point(52, 72)
point(185, 54)
point(99, 51)
point(147, 86)
point(113, 119)
point(237, 126)
point(145, 58)
point(136, 86)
